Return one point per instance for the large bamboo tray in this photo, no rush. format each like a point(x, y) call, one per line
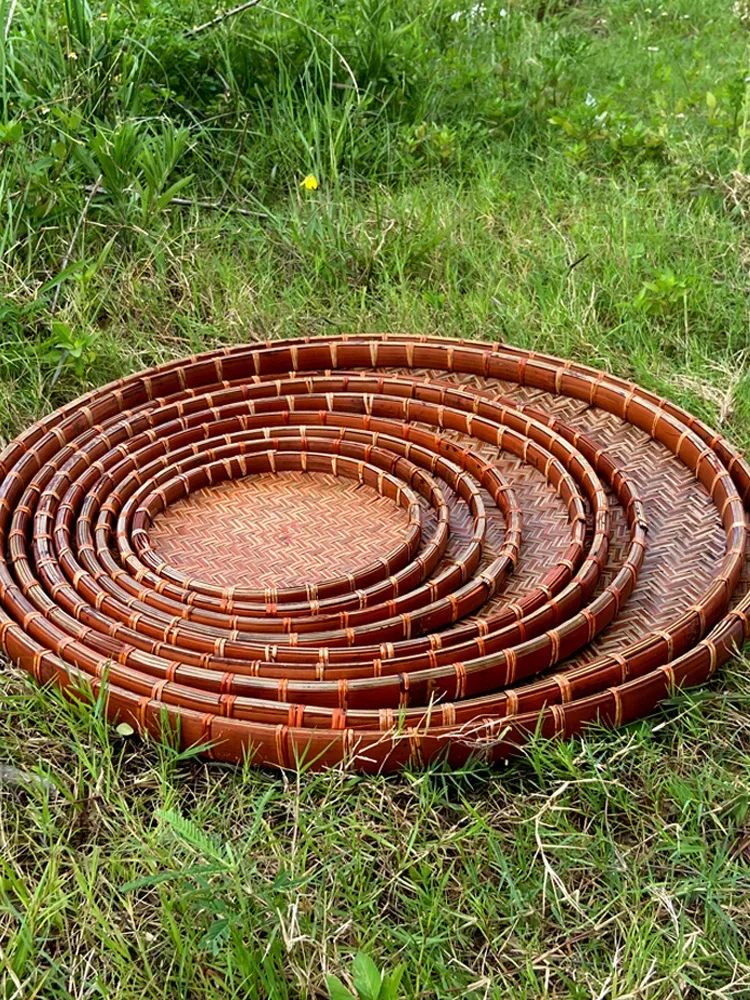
point(379, 550)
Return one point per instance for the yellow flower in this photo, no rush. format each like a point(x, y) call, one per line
point(72, 55)
point(310, 183)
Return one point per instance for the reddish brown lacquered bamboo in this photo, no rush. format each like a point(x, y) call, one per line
point(553, 517)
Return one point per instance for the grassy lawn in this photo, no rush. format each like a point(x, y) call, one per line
point(568, 175)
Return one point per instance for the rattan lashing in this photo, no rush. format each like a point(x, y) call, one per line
point(512, 600)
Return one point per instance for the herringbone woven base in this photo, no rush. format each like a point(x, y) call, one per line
point(274, 530)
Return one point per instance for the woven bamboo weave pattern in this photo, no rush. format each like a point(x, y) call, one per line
point(268, 529)
point(377, 550)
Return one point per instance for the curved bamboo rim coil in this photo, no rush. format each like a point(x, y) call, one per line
point(414, 656)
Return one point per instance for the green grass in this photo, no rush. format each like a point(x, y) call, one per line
point(568, 176)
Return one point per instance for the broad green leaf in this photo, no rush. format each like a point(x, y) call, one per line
point(337, 990)
point(61, 330)
point(366, 977)
point(10, 133)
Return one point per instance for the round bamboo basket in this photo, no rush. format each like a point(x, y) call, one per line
point(373, 550)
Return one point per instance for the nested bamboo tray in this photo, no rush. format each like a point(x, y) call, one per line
point(373, 549)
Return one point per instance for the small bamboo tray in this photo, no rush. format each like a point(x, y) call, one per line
point(375, 550)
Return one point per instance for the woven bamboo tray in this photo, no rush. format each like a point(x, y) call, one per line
point(379, 550)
